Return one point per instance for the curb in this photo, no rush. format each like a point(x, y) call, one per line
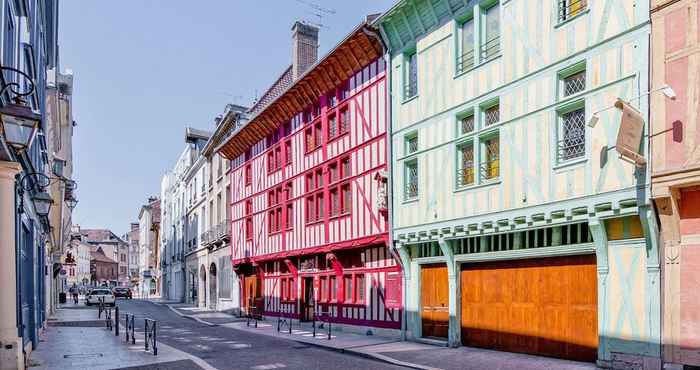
point(197, 319)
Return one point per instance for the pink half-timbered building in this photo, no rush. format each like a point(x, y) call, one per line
point(309, 194)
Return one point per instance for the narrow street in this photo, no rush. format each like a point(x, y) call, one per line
point(225, 348)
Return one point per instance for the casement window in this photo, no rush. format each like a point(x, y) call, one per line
point(249, 228)
point(285, 289)
point(332, 99)
point(332, 288)
point(346, 199)
point(571, 8)
point(290, 216)
point(333, 173)
point(345, 169)
point(248, 207)
point(347, 297)
point(291, 290)
point(411, 179)
point(314, 180)
point(314, 137)
point(411, 143)
point(491, 36)
point(360, 289)
point(288, 152)
point(466, 59)
point(274, 159)
point(571, 132)
point(332, 126)
point(410, 75)
point(344, 124)
point(324, 289)
point(492, 114)
point(490, 159)
point(465, 164)
point(314, 208)
point(335, 202)
point(466, 124)
point(572, 80)
point(248, 174)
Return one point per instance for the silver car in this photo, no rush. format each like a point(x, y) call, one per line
point(101, 293)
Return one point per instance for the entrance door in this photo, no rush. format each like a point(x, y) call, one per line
point(308, 304)
point(435, 313)
point(213, 295)
point(250, 294)
point(545, 306)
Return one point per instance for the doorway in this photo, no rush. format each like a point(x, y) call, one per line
point(435, 314)
point(212, 287)
point(308, 302)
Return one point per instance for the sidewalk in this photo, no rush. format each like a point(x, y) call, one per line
point(391, 350)
point(75, 339)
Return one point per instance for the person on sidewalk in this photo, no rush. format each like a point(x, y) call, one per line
point(74, 293)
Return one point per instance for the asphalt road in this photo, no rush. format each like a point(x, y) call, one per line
point(226, 348)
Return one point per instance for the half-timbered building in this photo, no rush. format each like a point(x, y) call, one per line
point(309, 198)
point(519, 226)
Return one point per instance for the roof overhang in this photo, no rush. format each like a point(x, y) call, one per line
point(353, 53)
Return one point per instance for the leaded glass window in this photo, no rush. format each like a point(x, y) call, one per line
point(490, 164)
point(465, 172)
point(466, 124)
point(575, 83)
point(492, 115)
point(572, 143)
point(411, 178)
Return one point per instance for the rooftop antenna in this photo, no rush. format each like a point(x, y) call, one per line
point(318, 11)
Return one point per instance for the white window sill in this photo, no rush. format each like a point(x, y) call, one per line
point(570, 163)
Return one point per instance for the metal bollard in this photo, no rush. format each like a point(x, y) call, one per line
point(116, 321)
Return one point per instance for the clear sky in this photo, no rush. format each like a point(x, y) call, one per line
point(146, 69)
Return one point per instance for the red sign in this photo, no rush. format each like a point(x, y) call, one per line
point(392, 290)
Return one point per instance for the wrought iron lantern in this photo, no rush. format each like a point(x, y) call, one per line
point(42, 203)
point(19, 123)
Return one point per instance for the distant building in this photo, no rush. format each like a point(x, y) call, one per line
point(113, 247)
point(103, 270)
point(132, 239)
point(149, 258)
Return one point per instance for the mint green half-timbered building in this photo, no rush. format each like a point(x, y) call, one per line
point(518, 225)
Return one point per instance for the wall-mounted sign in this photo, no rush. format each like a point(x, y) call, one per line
point(630, 132)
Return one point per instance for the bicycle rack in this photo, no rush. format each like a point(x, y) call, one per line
point(328, 320)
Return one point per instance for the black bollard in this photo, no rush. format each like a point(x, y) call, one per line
point(116, 321)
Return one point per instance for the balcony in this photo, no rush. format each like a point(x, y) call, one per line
point(206, 238)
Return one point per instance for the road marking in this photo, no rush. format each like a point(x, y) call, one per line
point(269, 366)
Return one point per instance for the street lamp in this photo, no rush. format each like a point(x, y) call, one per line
point(19, 123)
point(72, 202)
point(42, 203)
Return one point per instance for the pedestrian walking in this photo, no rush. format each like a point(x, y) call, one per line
point(74, 293)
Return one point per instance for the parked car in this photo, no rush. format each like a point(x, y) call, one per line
point(122, 293)
point(94, 297)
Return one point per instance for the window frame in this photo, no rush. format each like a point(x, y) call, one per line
point(406, 175)
point(564, 16)
point(560, 112)
point(568, 72)
point(410, 87)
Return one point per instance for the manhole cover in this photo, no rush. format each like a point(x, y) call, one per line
point(83, 355)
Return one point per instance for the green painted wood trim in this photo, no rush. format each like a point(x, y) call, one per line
point(518, 254)
point(600, 240)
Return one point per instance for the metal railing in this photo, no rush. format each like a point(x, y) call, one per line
point(411, 88)
point(465, 176)
point(149, 332)
point(571, 8)
point(465, 61)
point(253, 315)
point(491, 48)
point(320, 318)
point(130, 327)
point(489, 169)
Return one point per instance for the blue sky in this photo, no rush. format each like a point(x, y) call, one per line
point(146, 69)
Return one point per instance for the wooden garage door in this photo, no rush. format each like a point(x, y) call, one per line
point(545, 306)
point(435, 313)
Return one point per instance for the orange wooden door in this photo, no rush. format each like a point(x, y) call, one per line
point(434, 301)
point(545, 306)
point(250, 292)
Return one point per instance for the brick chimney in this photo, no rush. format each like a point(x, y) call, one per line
point(134, 226)
point(304, 47)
